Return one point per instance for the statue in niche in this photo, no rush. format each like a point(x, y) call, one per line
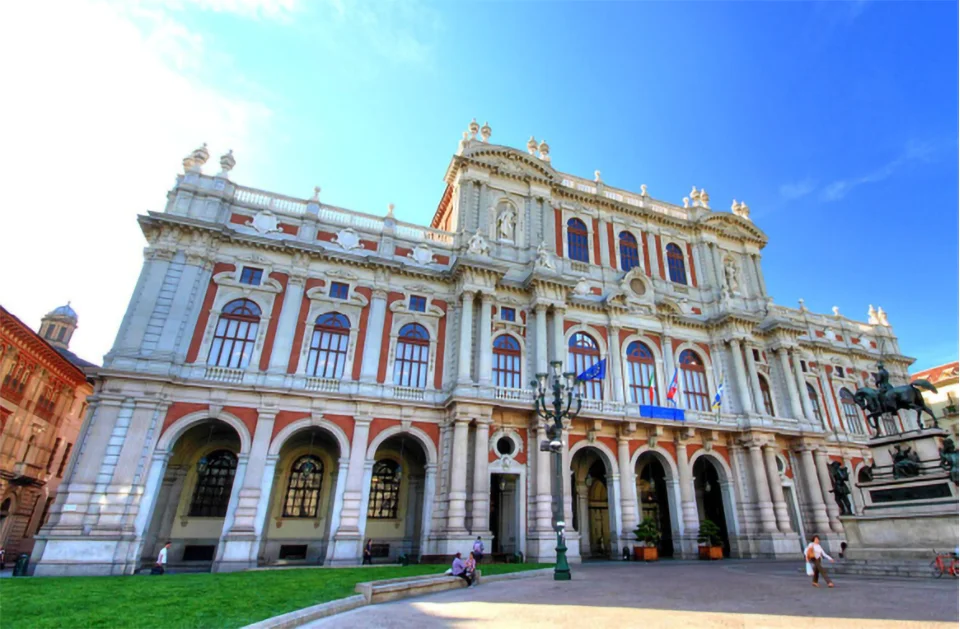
point(544, 260)
point(477, 245)
point(505, 224)
point(839, 477)
point(732, 275)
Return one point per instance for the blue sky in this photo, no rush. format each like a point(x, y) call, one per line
point(835, 121)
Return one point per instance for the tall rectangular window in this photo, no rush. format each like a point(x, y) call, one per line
point(56, 446)
point(64, 459)
point(251, 276)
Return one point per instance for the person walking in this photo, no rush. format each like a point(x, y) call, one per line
point(814, 554)
point(368, 553)
point(459, 569)
point(478, 550)
point(161, 567)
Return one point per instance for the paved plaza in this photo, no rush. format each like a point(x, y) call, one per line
point(674, 594)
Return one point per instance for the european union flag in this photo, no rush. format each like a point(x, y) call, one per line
point(596, 372)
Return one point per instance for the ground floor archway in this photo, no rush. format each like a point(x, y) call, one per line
point(594, 508)
point(653, 498)
point(709, 485)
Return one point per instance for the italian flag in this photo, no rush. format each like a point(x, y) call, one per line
point(652, 386)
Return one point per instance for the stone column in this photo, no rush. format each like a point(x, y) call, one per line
point(615, 362)
point(755, 381)
point(481, 480)
point(193, 270)
point(818, 509)
point(739, 371)
point(718, 265)
point(688, 499)
point(348, 539)
point(457, 510)
point(559, 345)
point(796, 407)
point(466, 338)
point(776, 489)
point(668, 366)
point(544, 477)
point(654, 256)
point(541, 310)
point(802, 389)
point(287, 325)
point(829, 407)
point(768, 521)
point(628, 488)
point(756, 266)
point(826, 487)
point(604, 245)
point(486, 347)
point(373, 339)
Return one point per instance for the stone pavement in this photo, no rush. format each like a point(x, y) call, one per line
point(674, 594)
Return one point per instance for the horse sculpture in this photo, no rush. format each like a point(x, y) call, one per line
point(877, 403)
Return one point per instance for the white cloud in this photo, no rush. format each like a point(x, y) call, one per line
point(103, 102)
point(914, 151)
point(797, 190)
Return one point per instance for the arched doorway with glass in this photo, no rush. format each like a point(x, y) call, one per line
point(654, 499)
point(709, 490)
point(395, 500)
point(507, 496)
point(299, 518)
point(194, 497)
point(594, 503)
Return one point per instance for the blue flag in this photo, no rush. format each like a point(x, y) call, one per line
point(717, 397)
point(596, 372)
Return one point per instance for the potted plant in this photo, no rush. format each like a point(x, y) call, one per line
point(711, 543)
point(649, 537)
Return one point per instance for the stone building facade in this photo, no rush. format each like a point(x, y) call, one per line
point(43, 392)
point(943, 403)
point(292, 378)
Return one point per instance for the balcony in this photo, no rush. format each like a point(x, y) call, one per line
point(224, 374)
point(324, 385)
point(513, 395)
point(409, 393)
point(24, 473)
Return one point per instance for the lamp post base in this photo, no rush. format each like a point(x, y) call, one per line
point(561, 571)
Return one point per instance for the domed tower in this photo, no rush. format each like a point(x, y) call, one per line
point(57, 326)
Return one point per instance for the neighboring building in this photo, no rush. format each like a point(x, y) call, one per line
point(943, 403)
point(43, 392)
point(292, 378)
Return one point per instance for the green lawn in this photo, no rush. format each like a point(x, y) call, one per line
point(188, 600)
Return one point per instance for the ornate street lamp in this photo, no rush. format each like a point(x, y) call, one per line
point(565, 393)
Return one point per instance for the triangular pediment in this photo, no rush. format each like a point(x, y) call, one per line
point(509, 161)
point(734, 227)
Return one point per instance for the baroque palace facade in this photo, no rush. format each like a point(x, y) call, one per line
point(293, 378)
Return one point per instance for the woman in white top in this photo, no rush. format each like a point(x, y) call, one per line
point(815, 554)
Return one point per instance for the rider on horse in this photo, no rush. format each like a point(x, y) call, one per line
point(882, 378)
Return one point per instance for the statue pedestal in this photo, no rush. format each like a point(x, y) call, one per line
point(905, 518)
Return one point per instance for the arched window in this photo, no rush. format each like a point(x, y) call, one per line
point(767, 397)
point(303, 488)
point(577, 247)
point(642, 373)
point(815, 403)
point(506, 362)
point(629, 255)
point(678, 272)
point(585, 353)
point(328, 347)
point(851, 414)
point(694, 381)
point(413, 349)
point(235, 335)
point(384, 490)
point(214, 483)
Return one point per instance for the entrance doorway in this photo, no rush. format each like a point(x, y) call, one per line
point(504, 513)
point(653, 499)
point(710, 497)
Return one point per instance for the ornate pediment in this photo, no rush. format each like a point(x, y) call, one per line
point(734, 227)
point(510, 162)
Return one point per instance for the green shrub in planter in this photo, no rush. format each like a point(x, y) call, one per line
point(648, 533)
point(710, 534)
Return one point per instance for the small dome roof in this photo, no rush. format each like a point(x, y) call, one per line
point(64, 311)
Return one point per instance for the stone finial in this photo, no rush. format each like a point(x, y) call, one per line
point(694, 195)
point(464, 140)
point(872, 316)
point(704, 198)
point(734, 206)
point(882, 317)
point(686, 201)
point(544, 150)
point(836, 311)
point(532, 146)
point(474, 129)
point(316, 194)
point(803, 305)
point(485, 132)
point(596, 177)
point(643, 190)
point(390, 210)
point(744, 211)
point(196, 159)
point(227, 162)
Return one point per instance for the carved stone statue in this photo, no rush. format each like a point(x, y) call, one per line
point(882, 317)
point(730, 271)
point(505, 224)
point(544, 259)
point(906, 463)
point(477, 245)
point(948, 459)
point(839, 478)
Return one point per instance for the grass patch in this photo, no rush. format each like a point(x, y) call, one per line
point(188, 600)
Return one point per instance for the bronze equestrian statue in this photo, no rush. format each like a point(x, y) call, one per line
point(888, 399)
